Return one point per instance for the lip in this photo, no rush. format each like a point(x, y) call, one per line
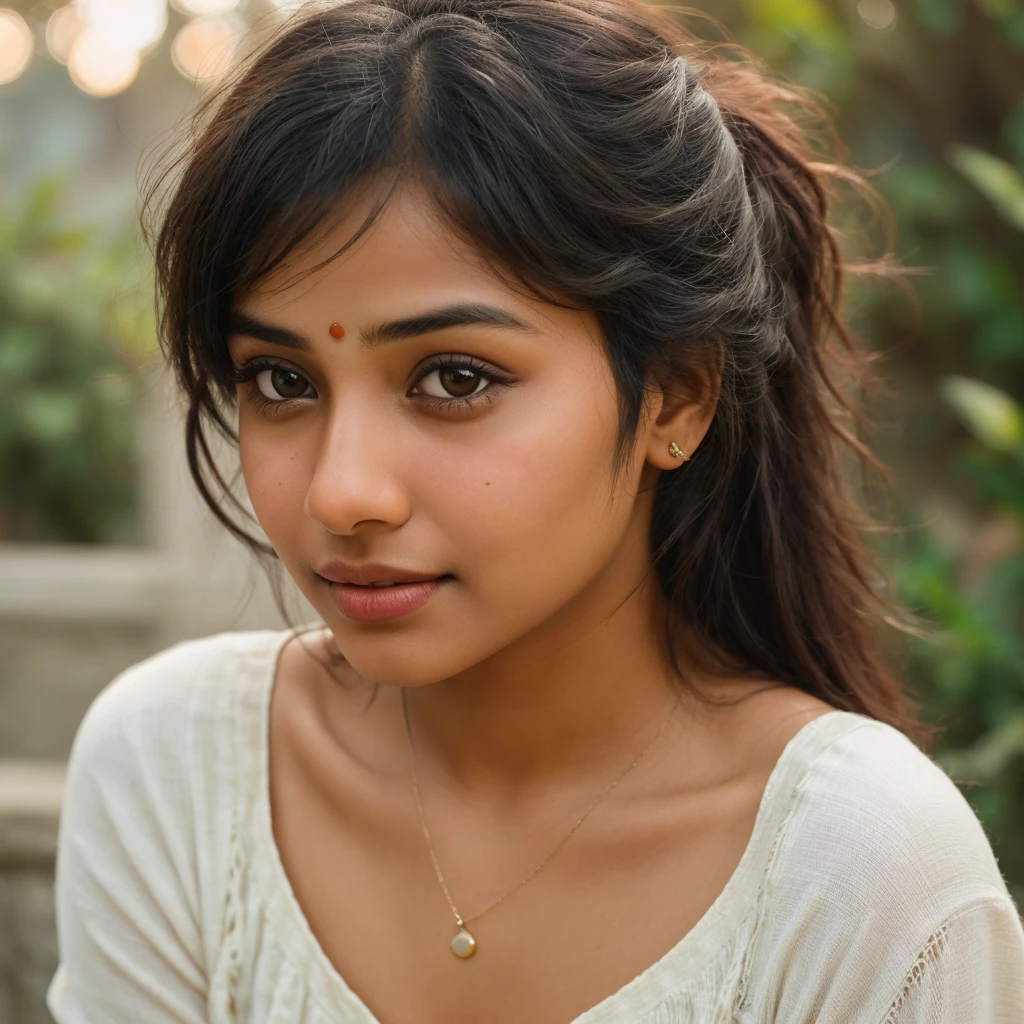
point(372, 572)
point(375, 604)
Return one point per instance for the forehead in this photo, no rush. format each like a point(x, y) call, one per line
point(411, 261)
point(410, 244)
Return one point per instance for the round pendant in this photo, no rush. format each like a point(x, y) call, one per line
point(463, 945)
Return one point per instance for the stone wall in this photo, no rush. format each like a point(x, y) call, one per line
point(30, 799)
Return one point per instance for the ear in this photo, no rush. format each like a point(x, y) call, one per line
point(689, 400)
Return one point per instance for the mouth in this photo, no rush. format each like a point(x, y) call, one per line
point(375, 602)
point(393, 583)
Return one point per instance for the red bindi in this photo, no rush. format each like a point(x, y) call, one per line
point(337, 331)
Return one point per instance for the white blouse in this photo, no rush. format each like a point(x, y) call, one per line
point(867, 894)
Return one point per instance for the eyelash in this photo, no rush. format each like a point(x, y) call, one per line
point(248, 373)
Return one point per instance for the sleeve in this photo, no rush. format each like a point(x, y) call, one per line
point(129, 935)
point(885, 903)
point(970, 969)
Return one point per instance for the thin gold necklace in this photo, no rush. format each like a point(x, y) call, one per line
point(464, 944)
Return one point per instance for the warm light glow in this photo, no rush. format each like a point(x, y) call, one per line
point(125, 24)
point(16, 45)
point(880, 14)
point(99, 67)
point(286, 5)
point(63, 28)
point(204, 7)
point(205, 48)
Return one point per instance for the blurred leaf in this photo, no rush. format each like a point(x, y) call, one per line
point(1000, 182)
point(982, 282)
point(18, 352)
point(991, 755)
point(924, 191)
point(1013, 126)
point(42, 201)
point(944, 16)
point(810, 20)
point(991, 415)
point(998, 9)
point(1013, 30)
point(999, 480)
point(1001, 336)
point(51, 416)
point(70, 239)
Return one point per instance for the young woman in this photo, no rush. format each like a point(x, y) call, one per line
point(527, 310)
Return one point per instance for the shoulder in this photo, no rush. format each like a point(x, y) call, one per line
point(142, 863)
point(158, 739)
point(153, 784)
point(181, 695)
point(880, 811)
point(877, 852)
point(192, 678)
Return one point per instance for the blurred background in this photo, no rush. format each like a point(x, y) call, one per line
point(106, 555)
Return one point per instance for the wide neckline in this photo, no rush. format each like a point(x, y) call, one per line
point(668, 974)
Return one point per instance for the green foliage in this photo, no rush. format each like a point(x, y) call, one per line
point(972, 674)
point(997, 179)
point(976, 674)
point(942, 16)
point(72, 331)
point(991, 415)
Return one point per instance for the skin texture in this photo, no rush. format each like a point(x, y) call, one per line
point(533, 679)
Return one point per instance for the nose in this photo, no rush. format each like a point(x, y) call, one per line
point(357, 476)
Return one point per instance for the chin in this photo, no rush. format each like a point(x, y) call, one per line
point(413, 655)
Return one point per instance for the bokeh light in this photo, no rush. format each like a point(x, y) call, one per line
point(101, 67)
point(62, 29)
point(129, 25)
point(877, 14)
point(205, 48)
point(204, 7)
point(16, 45)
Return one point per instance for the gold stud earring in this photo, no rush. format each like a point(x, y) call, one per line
point(337, 331)
point(676, 452)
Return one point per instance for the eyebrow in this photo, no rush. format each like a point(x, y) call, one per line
point(463, 314)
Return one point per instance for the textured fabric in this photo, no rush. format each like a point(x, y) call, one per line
point(868, 892)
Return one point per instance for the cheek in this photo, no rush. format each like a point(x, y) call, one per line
point(276, 478)
point(534, 520)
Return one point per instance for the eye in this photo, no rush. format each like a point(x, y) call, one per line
point(279, 384)
point(456, 383)
point(454, 380)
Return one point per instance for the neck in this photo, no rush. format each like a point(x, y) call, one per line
point(583, 694)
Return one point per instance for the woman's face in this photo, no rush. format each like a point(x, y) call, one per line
point(480, 451)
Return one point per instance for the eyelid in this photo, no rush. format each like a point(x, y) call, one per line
point(441, 360)
point(247, 376)
point(247, 371)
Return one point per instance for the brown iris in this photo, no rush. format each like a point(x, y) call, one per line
point(288, 383)
point(458, 381)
